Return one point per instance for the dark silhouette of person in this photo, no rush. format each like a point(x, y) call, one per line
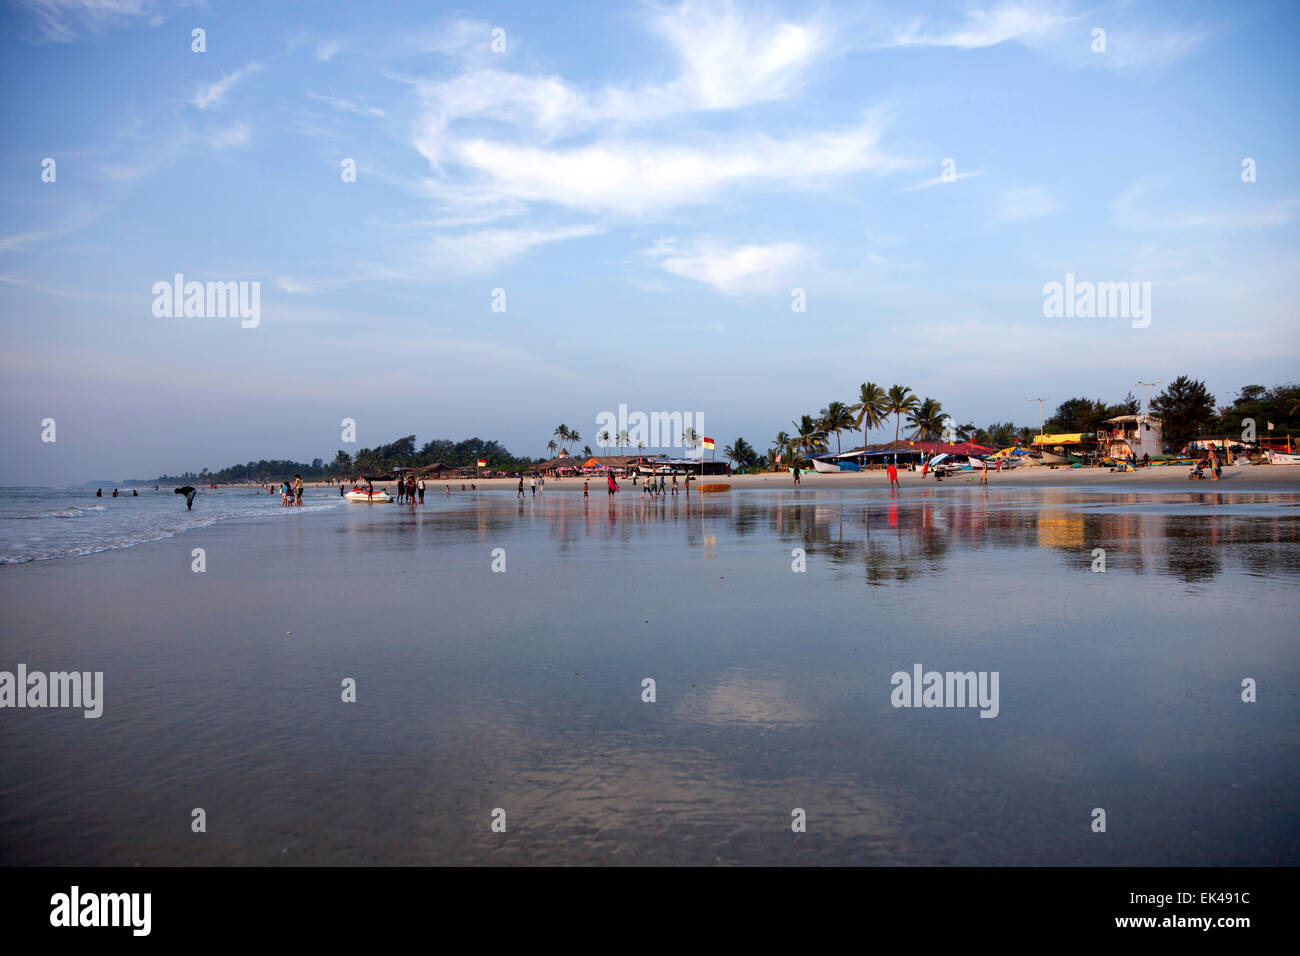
point(99, 492)
point(189, 492)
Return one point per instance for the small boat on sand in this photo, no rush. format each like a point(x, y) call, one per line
point(361, 496)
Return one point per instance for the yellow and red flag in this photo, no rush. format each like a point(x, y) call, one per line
point(708, 443)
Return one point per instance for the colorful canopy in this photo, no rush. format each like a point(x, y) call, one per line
point(1071, 439)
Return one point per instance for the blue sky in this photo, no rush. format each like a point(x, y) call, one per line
point(648, 183)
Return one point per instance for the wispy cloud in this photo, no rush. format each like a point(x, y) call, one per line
point(488, 248)
point(730, 269)
point(939, 179)
point(1029, 203)
point(213, 93)
point(236, 134)
point(326, 49)
point(1025, 22)
point(346, 105)
point(62, 21)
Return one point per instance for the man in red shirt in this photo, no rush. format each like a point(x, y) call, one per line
point(893, 476)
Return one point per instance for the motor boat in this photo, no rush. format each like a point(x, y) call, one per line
point(361, 496)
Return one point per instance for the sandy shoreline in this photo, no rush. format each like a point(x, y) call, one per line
point(1169, 478)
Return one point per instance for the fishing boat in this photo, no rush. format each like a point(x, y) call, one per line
point(361, 496)
point(1281, 458)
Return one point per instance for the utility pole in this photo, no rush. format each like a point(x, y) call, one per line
point(1147, 409)
point(1040, 413)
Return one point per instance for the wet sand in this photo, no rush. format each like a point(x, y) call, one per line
point(522, 690)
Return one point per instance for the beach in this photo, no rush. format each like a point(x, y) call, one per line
point(523, 689)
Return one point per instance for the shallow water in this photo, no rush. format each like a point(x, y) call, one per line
point(523, 690)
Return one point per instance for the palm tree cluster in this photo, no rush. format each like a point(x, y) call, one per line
point(567, 437)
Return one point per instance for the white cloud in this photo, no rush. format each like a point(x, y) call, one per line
point(236, 134)
point(1028, 203)
point(639, 178)
point(62, 20)
point(730, 269)
point(488, 248)
point(326, 49)
point(214, 93)
point(939, 179)
point(345, 105)
point(1026, 22)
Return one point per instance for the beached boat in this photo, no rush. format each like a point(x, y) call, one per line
point(361, 496)
point(1280, 458)
point(833, 466)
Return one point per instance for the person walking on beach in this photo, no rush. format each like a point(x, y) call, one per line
point(584, 487)
point(893, 476)
point(609, 479)
point(984, 470)
point(532, 483)
point(796, 474)
point(521, 486)
point(662, 489)
point(674, 484)
point(419, 486)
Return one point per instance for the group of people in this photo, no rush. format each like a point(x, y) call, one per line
point(409, 488)
point(654, 488)
point(291, 494)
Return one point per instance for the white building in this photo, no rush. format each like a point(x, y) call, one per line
point(1136, 434)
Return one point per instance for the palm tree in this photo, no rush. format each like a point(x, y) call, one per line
point(586, 451)
point(604, 439)
point(690, 438)
point(622, 440)
point(574, 438)
point(742, 453)
point(810, 435)
point(781, 445)
point(900, 399)
point(836, 417)
point(927, 418)
point(562, 433)
point(871, 409)
point(551, 446)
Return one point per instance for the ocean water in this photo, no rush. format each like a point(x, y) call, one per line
point(41, 523)
point(523, 690)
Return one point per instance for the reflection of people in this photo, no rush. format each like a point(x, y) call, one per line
point(189, 492)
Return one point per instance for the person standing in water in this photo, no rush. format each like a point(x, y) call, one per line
point(609, 479)
point(893, 476)
point(189, 492)
point(297, 490)
point(419, 487)
point(521, 486)
point(796, 474)
point(99, 492)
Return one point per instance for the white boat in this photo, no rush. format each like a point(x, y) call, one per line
point(1280, 458)
point(360, 496)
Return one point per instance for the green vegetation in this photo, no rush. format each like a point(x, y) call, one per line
point(401, 453)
